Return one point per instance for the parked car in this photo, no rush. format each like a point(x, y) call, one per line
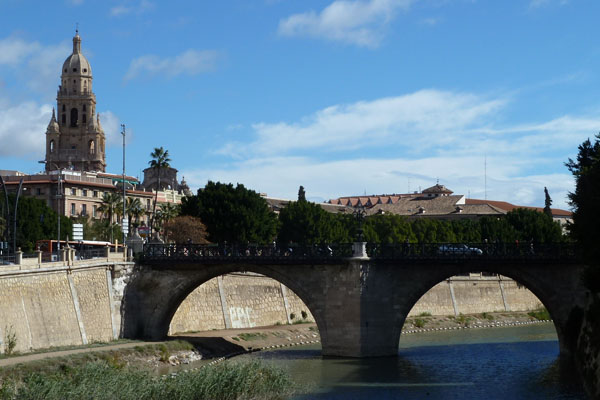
point(459, 249)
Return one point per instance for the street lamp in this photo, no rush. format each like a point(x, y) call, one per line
point(58, 197)
point(124, 220)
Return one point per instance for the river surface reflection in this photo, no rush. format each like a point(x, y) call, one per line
point(498, 363)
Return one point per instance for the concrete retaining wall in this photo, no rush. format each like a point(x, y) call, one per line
point(59, 306)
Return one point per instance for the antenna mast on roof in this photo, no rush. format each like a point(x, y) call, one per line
point(485, 175)
point(76, 27)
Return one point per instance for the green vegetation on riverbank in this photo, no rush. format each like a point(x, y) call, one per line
point(102, 379)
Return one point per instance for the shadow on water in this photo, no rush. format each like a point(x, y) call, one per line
point(513, 370)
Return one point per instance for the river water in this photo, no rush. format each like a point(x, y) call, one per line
point(499, 363)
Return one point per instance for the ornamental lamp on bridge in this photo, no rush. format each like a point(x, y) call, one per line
point(359, 247)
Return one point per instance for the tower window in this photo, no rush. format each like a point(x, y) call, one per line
point(64, 108)
point(85, 70)
point(84, 107)
point(74, 69)
point(83, 118)
point(92, 147)
point(65, 70)
point(52, 146)
point(64, 119)
point(74, 116)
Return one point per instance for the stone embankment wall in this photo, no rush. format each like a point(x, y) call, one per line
point(238, 301)
point(60, 305)
point(476, 294)
point(249, 300)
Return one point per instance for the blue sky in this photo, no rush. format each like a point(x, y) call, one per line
point(344, 97)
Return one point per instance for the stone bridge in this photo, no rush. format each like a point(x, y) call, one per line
point(359, 302)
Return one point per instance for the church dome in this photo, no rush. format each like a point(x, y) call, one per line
point(76, 63)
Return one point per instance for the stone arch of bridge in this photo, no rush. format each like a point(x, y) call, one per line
point(561, 293)
point(153, 295)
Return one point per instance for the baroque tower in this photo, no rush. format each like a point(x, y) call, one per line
point(74, 138)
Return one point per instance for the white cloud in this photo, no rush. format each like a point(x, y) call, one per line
point(416, 120)
point(23, 127)
point(14, 50)
point(281, 176)
point(139, 8)
point(420, 136)
point(190, 62)
point(111, 124)
point(355, 22)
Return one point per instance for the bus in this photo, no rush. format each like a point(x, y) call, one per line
point(84, 249)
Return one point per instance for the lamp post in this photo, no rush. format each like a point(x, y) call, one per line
point(58, 197)
point(124, 219)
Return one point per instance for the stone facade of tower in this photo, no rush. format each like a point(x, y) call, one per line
point(74, 138)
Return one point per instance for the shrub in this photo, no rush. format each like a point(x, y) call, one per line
point(419, 323)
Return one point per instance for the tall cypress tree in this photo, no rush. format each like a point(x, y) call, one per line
point(547, 203)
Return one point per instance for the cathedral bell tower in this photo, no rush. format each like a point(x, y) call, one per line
point(74, 138)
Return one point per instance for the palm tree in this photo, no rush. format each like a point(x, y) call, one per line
point(134, 210)
point(167, 212)
point(160, 160)
point(111, 204)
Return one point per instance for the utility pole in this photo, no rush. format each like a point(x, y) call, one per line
point(124, 220)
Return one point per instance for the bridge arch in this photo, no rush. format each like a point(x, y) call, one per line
point(154, 294)
point(547, 282)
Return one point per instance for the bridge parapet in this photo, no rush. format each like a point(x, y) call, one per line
point(443, 253)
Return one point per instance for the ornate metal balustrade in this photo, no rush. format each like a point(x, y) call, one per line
point(263, 254)
point(481, 253)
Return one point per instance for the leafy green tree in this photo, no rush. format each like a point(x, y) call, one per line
point(134, 210)
point(388, 229)
point(494, 229)
point(232, 214)
point(160, 160)
point(547, 203)
point(585, 201)
point(306, 223)
point(37, 221)
point(533, 225)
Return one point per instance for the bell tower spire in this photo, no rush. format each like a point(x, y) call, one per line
point(73, 140)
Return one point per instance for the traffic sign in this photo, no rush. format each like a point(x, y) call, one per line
point(77, 231)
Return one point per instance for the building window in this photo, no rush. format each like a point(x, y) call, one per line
point(91, 146)
point(94, 211)
point(95, 193)
point(64, 119)
point(38, 191)
point(84, 192)
point(73, 192)
point(72, 208)
point(147, 204)
point(52, 146)
point(83, 118)
point(84, 209)
point(74, 116)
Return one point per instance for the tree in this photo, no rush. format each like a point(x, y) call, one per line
point(547, 203)
point(388, 229)
point(36, 221)
point(534, 225)
point(167, 212)
point(111, 205)
point(306, 223)
point(301, 194)
point(184, 228)
point(232, 214)
point(160, 160)
point(134, 211)
point(585, 202)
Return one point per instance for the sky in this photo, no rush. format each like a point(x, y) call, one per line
point(344, 97)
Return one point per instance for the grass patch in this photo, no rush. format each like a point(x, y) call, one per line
point(540, 314)
point(73, 347)
point(419, 323)
point(313, 328)
point(101, 380)
point(425, 314)
point(252, 336)
point(301, 321)
point(463, 319)
point(488, 316)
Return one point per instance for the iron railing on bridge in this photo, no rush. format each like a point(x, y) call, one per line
point(487, 252)
point(329, 253)
point(245, 253)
